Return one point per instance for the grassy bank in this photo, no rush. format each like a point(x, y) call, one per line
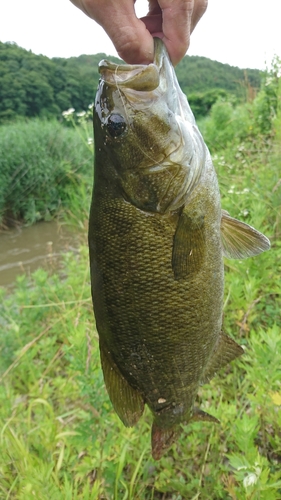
point(59, 437)
point(41, 164)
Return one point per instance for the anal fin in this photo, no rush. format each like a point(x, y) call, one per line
point(127, 402)
point(200, 415)
point(225, 351)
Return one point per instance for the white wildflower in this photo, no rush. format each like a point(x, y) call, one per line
point(231, 190)
point(90, 140)
point(69, 112)
point(82, 113)
point(268, 81)
point(250, 479)
point(91, 105)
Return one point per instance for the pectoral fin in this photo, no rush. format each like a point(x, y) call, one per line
point(189, 244)
point(239, 240)
point(127, 402)
point(225, 351)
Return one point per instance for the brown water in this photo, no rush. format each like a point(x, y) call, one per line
point(24, 249)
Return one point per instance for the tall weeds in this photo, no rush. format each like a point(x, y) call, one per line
point(41, 164)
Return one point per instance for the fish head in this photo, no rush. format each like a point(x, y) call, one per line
point(144, 126)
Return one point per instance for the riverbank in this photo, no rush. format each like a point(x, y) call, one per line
point(27, 248)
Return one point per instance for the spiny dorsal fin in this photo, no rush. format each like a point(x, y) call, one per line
point(239, 240)
point(189, 244)
point(127, 402)
point(225, 351)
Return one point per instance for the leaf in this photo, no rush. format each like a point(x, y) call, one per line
point(238, 462)
point(276, 398)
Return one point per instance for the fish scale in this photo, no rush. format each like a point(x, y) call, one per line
point(148, 310)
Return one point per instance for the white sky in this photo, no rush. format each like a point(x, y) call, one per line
point(244, 33)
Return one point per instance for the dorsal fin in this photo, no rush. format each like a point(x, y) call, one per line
point(239, 240)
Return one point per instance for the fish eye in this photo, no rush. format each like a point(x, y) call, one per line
point(116, 125)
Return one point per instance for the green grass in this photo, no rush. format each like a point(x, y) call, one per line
point(41, 164)
point(59, 436)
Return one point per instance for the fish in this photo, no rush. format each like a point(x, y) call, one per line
point(157, 238)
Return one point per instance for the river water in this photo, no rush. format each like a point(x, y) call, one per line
point(24, 249)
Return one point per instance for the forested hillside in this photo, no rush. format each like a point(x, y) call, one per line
point(34, 85)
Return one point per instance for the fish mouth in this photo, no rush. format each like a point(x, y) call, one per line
point(138, 77)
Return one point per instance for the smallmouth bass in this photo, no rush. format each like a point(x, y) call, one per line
point(157, 237)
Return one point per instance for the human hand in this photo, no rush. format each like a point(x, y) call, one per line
point(171, 20)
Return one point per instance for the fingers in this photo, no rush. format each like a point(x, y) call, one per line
point(129, 35)
point(171, 20)
point(199, 9)
point(132, 40)
point(179, 19)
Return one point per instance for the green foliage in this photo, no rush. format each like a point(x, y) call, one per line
point(266, 103)
point(41, 164)
point(255, 121)
point(199, 74)
point(226, 124)
point(202, 102)
point(277, 119)
point(33, 85)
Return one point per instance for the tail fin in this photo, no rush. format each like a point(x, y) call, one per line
point(162, 438)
